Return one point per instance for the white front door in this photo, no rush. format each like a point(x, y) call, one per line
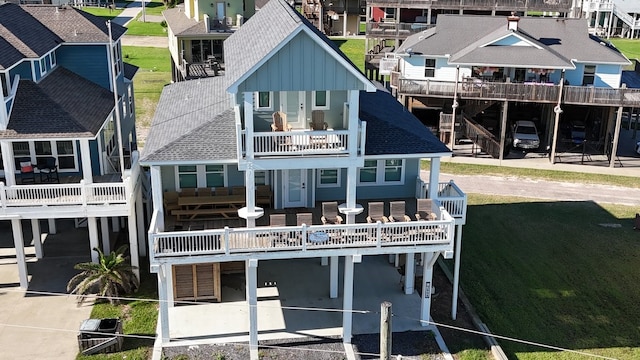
point(295, 188)
point(293, 104)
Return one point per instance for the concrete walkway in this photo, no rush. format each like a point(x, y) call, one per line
point(130, 12)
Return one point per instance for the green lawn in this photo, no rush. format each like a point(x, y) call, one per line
point(629, 47)
point(154, 74)
point(155, 7)
point(105, 13)
point(548, 272)
point(354, 49)
point(139, 27)
point(552, 175)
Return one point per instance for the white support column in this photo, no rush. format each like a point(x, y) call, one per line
point(456, 273)
point(434, 178)
point(344, 23)
point(92, 225)
point(333, 277)
point(616, 136)
point(409, 273)
point(106, 235)
point(427, 275)
point(7, 161)
point(168, 271)
point(85, 154)
point(156, 194)
point(52, 226)
point(37, 237)
point(252, 299)
point(18, 241)
point(133, 242)
point(164, 282)
point(142, 245)
point(347, 307)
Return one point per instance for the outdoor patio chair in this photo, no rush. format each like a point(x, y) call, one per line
point(376, 213)
point(398, 212)
point(27, 173)
point(304, 218)
point(317, 120)
point(280, 122)
point(424, 210)
point(48, 169)
point(278, 220)
point(330, 213)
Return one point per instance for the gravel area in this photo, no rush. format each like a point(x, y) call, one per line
point(411, 345)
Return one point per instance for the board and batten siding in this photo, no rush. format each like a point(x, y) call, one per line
point(413, 68)
point(301, 65)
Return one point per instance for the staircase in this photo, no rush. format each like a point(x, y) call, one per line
point(626, 18)
point(312, 10)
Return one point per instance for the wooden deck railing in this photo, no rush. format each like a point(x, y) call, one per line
point(560, 5)
point(522, 92)
point(394, 30)
point(304, 239)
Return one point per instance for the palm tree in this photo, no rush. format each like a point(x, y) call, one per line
point(111, 276)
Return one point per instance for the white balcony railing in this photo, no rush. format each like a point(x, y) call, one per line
point(449, 197)
point(298, 142)
point(238, 241)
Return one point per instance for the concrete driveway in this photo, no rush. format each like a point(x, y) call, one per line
point(38, 326)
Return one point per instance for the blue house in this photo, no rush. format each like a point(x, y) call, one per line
point(67, 126)
point(292, 154)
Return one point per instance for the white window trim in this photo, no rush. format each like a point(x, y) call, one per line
point(201, 175)
point(53, 61)
point(435, 63)
point(256, 102)
point(380, 166)
point(314, 106)
point(54, 152)
point(319, 183)
point(43, 65)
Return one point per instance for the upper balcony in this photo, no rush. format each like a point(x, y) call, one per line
point(472, 88)
point(392, 30)
point(202, 241)
point(506, 5)
point(109, 195)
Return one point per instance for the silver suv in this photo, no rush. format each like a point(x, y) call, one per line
point(525, 135)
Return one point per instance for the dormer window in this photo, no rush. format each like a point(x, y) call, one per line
point(429, 68)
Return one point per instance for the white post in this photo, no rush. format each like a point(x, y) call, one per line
point(106, 235)
point(427, 275)
point(142, 246)
point(37, 237)
point(252, 299)
point(347, 307)
point(133, 242)
point(434, 178)
point(7, 161)
point(52, 226)
point(92, 225)
point(164, 305)
point(333, 277)
point(156, 194)
point(409, 273)
point(616, 136)
point(456, 273)
point(16, 226)
point(85, 154)
point(168, 271)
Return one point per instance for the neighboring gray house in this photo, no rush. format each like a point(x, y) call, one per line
point(231, 154)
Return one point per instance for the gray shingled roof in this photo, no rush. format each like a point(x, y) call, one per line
point(22, 36)
point(194, 121)
point(62, 105)
point(130, 70)
point(563, 39)
point(261, 34)
point(628, 6)
point(74, 25)
point(181, 25)
point(394, 130)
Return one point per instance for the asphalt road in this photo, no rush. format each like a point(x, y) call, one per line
point(548, 190)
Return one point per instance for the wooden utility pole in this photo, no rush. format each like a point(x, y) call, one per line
point(385, 331)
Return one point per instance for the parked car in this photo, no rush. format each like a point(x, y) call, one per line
point(578, 132)
point(525, 135)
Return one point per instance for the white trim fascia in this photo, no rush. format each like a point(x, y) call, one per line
point(514, 65)
point(233, 88)
point(600, 62)
point(406, 156)
point(512, 34)
point(33, 69)
point(190, 162)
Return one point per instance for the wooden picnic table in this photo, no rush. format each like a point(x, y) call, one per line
point(222, 205)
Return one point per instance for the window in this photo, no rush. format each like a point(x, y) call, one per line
point(117, 64)
point(260, 178)
point(63, 151)
point(328, 178)
point(130, 98)
point(389, 13)
point(264, 101)
point(4, 83)
point(52, 59)
point(215, 175)
point(43, 66)
point(320, 100)
point(199, 176)
point(382, 172)
point(42, 149)
point(66, 155)
point(188, 176)
point(589, 75)
point(429, 67)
